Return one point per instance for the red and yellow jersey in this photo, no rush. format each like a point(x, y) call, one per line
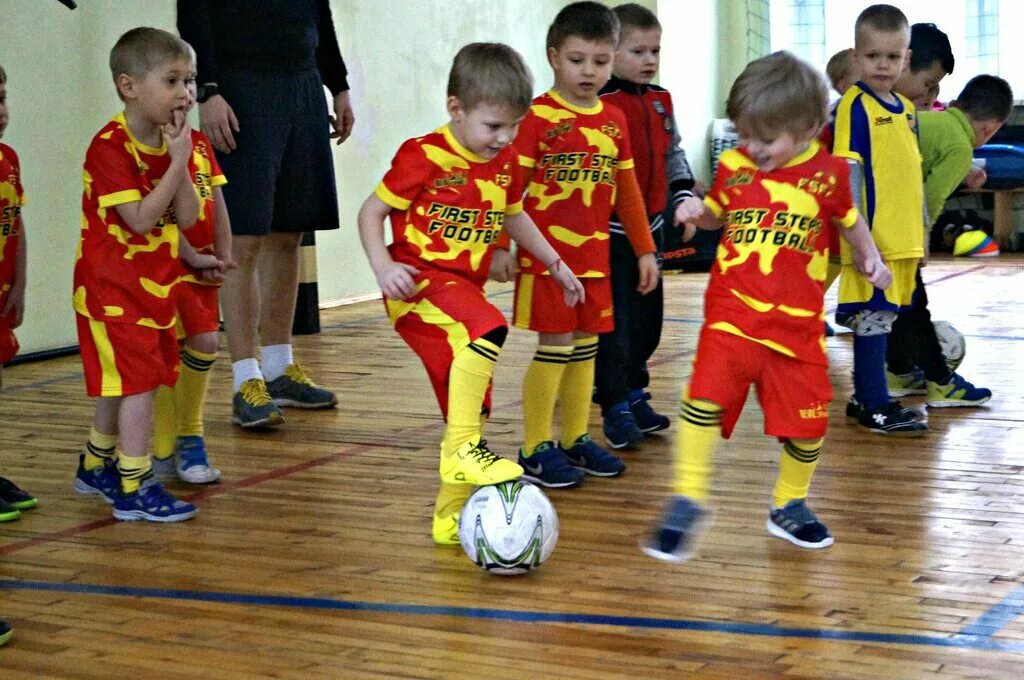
point(575, 155)
point(12, 197)
point(207, 176)
point(767, 283)
point(121, 276)
point(449, 204)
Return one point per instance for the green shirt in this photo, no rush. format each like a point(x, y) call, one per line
point(947, 148)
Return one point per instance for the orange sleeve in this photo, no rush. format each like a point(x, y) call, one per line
point(629, 206)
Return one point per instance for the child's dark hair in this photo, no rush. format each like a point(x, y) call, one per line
point(986, 97)
point(634, 16)
point(142, 49)
point(929, 45)
point(3, 76)
point(590, 21)
point(883, 18)
point(779, 93)
point(491, 73)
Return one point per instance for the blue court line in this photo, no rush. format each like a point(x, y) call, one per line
point(996, 618)
point(964, 641)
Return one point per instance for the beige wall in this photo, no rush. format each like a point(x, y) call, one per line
point(398, 53)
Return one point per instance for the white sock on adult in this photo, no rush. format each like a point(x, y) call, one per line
point(276, 358)
point(244, 369)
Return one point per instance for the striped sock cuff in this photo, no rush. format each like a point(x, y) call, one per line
point(485, 348)
point(802, 455)
point(197, 361)
point(585, 350)
point(701, 413)
point(94, 450)
point(546, 355)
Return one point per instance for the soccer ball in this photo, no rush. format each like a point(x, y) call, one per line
point(508, 528)
point(952, 342)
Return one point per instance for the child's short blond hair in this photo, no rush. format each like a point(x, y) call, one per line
point(491, 73)
point(839, 68)
point(881, 18)
point(143, 49)
point(779, 93)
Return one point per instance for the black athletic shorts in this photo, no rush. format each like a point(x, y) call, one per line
point(281, 175)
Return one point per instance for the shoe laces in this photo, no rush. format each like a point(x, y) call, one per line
point(254, 391)
point(482, 454)
point(299, 374)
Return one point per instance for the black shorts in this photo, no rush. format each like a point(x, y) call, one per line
point(281, 175)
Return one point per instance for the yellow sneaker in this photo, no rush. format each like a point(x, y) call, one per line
point(474, 463)
point(445, 530)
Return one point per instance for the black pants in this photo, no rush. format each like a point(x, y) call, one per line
point(622, 354)
point(913, 343)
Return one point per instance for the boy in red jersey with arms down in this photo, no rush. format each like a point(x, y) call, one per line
point(143, 182)
point(449, 195)
point(13, 257)
point(764, 307)
point(577, 153)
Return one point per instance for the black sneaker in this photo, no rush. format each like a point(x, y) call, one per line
point(18, 498)
point(5, 632)
point(797, 523)
point(8, 513)
point(893, 420)
point(673, 539)
point(853, 409)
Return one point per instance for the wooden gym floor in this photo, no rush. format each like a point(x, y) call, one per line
point(312, 559)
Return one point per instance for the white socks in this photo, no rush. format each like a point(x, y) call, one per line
point(243, 370)
point(276, 358)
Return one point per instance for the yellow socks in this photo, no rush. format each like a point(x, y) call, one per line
point(190, 392)
point(796, 467)
point(576, 389)
point(540, 392)
point(132, 470)
point(468, 380)
point(99, 449)
point(700, 428)
point(165, 423)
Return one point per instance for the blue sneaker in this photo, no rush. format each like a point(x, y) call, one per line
point(103, 481)
point(153, 503)
point(956, 391)
point(797, 523)
point(647, 419)
point(586, 455)
point(673, 540)
point(191, 462)
point(548, 467)
point(620, 426)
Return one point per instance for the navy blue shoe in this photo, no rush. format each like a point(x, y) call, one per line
point(647, 419)
point(620, 426)
point(797, 523)
point(673, 540)
point(153, 503)
point(547, 466)
point(103, 481)
point(587, 456)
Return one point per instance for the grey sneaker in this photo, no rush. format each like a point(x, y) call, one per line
point(674, 539)
point(797, 523)
point(253, 406)
point(295, 388)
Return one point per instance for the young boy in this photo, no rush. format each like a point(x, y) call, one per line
point(875, 132)
point(12, 286)
point(621, 375)
point(840, 71)
point(914, 360)
point(764, 304)
point(178, 443)
point(576, 152)
point(948, 138)
point(142, 183)
point(449, 194)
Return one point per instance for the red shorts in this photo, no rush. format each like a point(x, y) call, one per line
point(445, 316)
point(794, 395)
point(8, 343)
point(121, 359)
point(540, 306)
point(198, 311)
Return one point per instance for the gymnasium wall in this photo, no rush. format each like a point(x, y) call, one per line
point(398, 53)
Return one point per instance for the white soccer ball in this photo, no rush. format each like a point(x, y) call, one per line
point(952, 342)
point(508, 528)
